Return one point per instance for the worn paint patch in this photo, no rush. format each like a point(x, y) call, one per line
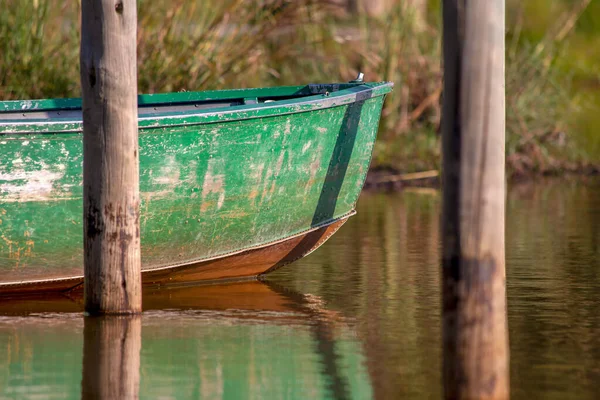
point(313, 169)
point(266, 182)
point(168, 172)
point(22, 185)
point(213, 184)
point(18, 250)
point(279, 163)
point(306, 146)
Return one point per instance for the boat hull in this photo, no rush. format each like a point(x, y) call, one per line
point(248, 263)
point(224, 193)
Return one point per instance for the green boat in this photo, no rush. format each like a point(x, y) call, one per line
point(234, 183)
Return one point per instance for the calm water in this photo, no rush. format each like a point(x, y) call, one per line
point(358, 319)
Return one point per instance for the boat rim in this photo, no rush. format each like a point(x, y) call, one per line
point(348, 93)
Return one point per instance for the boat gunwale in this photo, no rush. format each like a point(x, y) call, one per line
point(348, 95)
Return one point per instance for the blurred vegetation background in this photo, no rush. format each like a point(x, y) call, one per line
point(552, 64)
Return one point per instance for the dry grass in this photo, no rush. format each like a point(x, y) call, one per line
point(194, 45)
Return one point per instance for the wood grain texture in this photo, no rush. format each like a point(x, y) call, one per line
point(111, 357)
point(475, 332)
point(111, 197)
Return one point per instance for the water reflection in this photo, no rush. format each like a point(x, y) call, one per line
point(553, 287)
point(247, 340)
point(359, 318)
point(111, 357)
point(382, 270)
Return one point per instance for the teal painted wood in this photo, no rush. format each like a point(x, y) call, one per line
point(212, 181)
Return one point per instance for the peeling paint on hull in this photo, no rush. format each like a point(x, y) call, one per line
point(212, 185)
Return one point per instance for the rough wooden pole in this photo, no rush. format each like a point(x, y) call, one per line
point(474, 285)
point(110, 157)
point(111, 357)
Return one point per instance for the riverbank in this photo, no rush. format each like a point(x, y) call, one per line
point(379, 179)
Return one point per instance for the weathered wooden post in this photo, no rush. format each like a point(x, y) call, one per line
point(110, 152)
point(474, 285)
point(111, 357)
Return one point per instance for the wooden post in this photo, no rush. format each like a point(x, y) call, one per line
point(475, 333)
point(110, 157)
point(111, 357)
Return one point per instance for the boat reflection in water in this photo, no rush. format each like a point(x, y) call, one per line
point(243, 340)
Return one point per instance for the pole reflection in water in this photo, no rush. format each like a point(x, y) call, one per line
point(111, 357)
